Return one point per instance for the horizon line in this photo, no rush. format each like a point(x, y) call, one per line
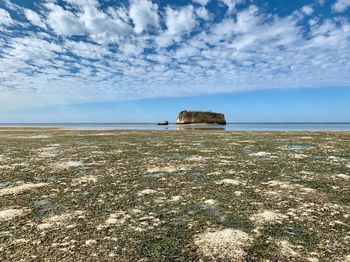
point(170, 123)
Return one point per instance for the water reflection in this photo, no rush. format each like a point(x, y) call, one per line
point(299, 146)
point(200, 127)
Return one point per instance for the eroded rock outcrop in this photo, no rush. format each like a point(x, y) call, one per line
point(200, 117)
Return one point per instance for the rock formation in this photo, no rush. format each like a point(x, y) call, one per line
point(165, 123)
point(200, 117)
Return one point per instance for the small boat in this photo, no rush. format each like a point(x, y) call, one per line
point(165, 123)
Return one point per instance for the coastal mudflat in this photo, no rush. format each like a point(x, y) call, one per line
point(174, 195)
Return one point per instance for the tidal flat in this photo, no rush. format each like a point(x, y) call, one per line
point(189, 195)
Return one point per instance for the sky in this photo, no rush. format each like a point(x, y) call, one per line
point(143, 60)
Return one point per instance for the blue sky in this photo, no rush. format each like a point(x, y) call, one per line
point(143, 60)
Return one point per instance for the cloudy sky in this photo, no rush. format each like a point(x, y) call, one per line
point(66, 52)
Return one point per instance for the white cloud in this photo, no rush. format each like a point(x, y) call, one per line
point(191, 52)
point(64, 22)
point(201, 2)
point(307, 9)
point(247, 19)
point(33, 48)
point(202, 13)
point(97, 22)
point(34, 18)
point(86, 50)
point(5, 18)
point(341, 5)
point(224, 28)
point(144, 14)
point(186, 51)
point(87, 20)
point(180, 21)
point(231, 4)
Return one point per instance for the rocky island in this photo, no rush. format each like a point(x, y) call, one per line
point(200, 117)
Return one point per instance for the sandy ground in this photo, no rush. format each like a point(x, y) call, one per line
point(174, 195)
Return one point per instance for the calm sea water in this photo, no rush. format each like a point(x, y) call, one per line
point(228, 127)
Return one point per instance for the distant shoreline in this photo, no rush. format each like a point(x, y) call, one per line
point(170, 123)
point(278, 126)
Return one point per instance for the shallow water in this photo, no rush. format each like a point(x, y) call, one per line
point(270, 158)
point(299, 146)
point(178, 156)
point(44, 205)
point(157, 175)
point(228, 127)
point(4, 184)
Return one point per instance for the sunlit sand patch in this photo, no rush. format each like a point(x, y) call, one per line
point(238, 193)
point(175, 198)
point(149, 221)
point(228, 181)
point(226, 244)
point(6, 167)
point(160, 200)
point(337, 222)
point(210, 202)
point(139, 221)
point(312, 259)
point(136, 211)
point(20, 241)
point(97, 152)
point(21, 188)
point(287, 248)
point(54, 145)
point(48, 152)
point(166, 169)
point(57, 220)
point(225, 161)
point(68, 164)
point(11, 213)
point(85, 179)
point(334, 158)
point(39, 136)
point(308, 173)
point(23, 164)
point(287, 185)
point(146, 192)
point(90, 242)
point(342, 176)
point(261, 154)
point(116, 219)
point(195, 158)
point(298, 156)
point(267, 217)
point(103, 134)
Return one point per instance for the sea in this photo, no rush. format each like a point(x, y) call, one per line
point(229, 127)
